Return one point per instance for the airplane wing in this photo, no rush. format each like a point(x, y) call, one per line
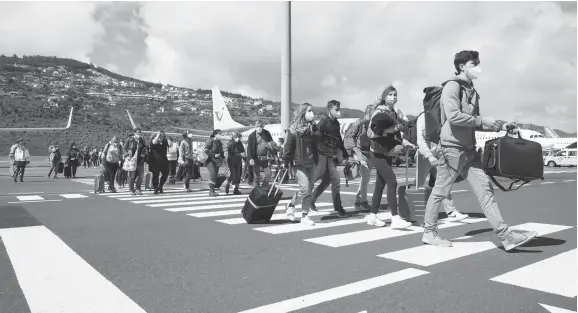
point(41, 128)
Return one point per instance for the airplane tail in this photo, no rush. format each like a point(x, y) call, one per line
point(550, 133)
point(221, 117)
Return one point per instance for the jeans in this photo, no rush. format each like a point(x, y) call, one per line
point(135, 177)
point(326, 170)
point(189, 171)
point(53, 167)
point(365, 169)
point(306, 181)
point(20, 168)
point(384, 176)
point(163, 178)
point(235, 170)
point(213, 172)
point(257, 170)
point(173, 168)
point(426, 168)
point(469, 165)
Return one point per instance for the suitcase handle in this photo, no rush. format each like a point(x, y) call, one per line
point(275, 181)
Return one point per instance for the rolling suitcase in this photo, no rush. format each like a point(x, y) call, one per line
point(412, 200)
point(67, 171)
point(514, 158)
point(99, 183)
point(148, 181)
point(262, 202)
point(60, 168)
point(221, 178)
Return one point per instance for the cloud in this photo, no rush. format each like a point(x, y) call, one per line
point(340, 50)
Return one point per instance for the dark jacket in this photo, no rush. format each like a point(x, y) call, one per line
point(213, 147)
point(73, 154)
point(252, 143)
point(301, 148)
point(131, 145)
point(157, 158)
point(380, 121)
point(235, 149)
point(330, 140)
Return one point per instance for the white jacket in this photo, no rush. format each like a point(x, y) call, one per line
point(21, 154)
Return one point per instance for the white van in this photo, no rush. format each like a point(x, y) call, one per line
point(564, 157)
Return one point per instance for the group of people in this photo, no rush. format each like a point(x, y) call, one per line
point(315, 150)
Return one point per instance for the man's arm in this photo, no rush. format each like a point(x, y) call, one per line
point(352, 135)
point(452, 106)
point(421, 141)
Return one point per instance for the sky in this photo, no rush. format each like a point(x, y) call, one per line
point(348, 51)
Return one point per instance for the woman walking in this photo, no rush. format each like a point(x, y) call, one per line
point(21, 156)
point(111, 159)
point(235, 163)
point(72, 158)
point(214, 150)
point(158, 162)
point(301, 149)
point(386, 124)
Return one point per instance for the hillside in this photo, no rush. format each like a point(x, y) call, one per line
point(38, 91)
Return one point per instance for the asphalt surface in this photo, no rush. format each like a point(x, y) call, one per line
point(165, 260)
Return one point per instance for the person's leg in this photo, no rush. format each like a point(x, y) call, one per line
point(212, 167)
point(111, 168)
point(299, 196)
point(379, 164)
point(257, 173)
point(266, 173)
point(322, 173)
point(155, 180)
point(140, 175)
point(335, 180)
point(188, 173)
point(164, 177)
point(365, 166)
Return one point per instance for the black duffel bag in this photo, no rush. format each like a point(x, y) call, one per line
point(514, 158)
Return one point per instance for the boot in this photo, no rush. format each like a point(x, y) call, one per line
point(236, 190)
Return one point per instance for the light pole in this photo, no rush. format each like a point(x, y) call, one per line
point(286, 67)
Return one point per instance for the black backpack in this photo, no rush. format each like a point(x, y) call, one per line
point(432, 110)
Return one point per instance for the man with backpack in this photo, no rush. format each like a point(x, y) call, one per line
point(459, 118)
point(358, 144)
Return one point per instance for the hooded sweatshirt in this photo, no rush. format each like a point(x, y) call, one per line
point(462, 116)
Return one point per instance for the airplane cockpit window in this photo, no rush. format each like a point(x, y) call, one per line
point(572, 153)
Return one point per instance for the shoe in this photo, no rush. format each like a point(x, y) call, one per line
point(372, 220)
point(161, 190)
point(362, 206)
point(290, 211)
point(132, 193)
point(156, 192)
point(139, 192)
point(517, 238)
point(188, 189)
point(236, 192)
point(341, 212)
point(397, 222)
point(306, 220)
point(432, 238)
point(456, 216)
point(313, 208)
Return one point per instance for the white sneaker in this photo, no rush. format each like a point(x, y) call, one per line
point(290, 211)
point(374, 221)
point(306, 220)
point(397, 222)
point(457, 216)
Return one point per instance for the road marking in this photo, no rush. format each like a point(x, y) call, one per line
point(356, 237)
point(24, 193)
point(54, 278)
point(555, 275)
point(33, 201)
point(73, 196)
point(274, 217)
point(291, 228)
point(188, 200)
point(546, 183)
point(163, 196)
point(427, 255)
point(207, 200)
point(553, 309)
point(339, 292)
point(569, 180)
point(277, 217)
point(29, 198)
point(146, 192)
point(239, 204)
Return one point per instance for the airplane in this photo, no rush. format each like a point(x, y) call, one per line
point(222, 120)
point(41, 128)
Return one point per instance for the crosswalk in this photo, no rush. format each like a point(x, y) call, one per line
point(36, 198)
point(227, 210)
